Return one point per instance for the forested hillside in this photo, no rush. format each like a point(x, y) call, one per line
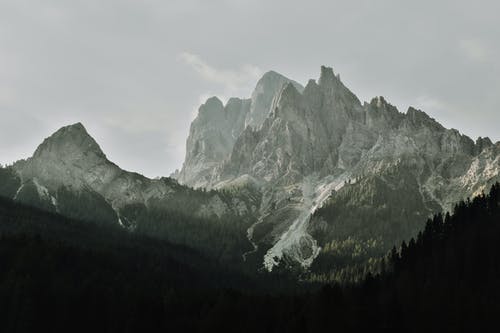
point(362, 221)
point(62, 275)
point(57, 273)
point(200, 219)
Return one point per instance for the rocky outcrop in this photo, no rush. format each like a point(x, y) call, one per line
point(211, 138)
point(262, 97)
point(71, 158)
point(214, 132)
point(314, 141)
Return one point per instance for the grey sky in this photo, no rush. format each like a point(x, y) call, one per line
point(134, 72)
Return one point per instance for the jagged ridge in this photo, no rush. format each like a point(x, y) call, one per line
point(317, 139)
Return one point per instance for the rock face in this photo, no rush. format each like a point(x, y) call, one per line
point(217, 127)
point(71, 158)
point(262, 97)
point(211, 138)
point(314, 141)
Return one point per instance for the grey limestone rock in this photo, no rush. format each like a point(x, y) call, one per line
point(313, 140)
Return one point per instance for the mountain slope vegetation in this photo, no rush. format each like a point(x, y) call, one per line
point(444, 280)
point(69, 174)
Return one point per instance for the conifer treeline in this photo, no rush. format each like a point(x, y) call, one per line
point(447, 279)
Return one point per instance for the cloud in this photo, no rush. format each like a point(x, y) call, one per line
point(231, 79)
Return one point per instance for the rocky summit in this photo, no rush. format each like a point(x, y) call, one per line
point(323, 161)
point(217, 127)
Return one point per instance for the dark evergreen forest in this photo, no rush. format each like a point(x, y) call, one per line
point(60, 275)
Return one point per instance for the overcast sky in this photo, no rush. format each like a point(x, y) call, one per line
point(135, 71)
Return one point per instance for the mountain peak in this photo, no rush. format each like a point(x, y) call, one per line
point(64, 158)
point(378, 101)
point(273, 81)
point(211, 110)
point(213, 101)
point(289, 93)
point(70, 132)
point(267, 88)
point(76, 128)
point(69, 140)
point(271, 75)
point(327, 76)
point(482, 143)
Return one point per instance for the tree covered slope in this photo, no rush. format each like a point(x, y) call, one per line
point(445, 280)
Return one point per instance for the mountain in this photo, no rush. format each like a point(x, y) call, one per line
point(262, 97)
point(334, 173)
point(293, 177)
point(213, 133)
point(212, 136)
point(69, 174)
